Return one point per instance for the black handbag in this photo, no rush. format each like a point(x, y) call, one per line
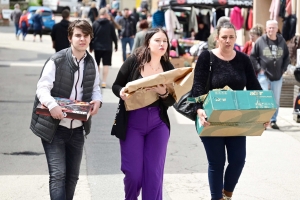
point(186, 108)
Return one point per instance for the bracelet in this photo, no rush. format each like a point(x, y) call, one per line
point(164, 95)
point(161, 95)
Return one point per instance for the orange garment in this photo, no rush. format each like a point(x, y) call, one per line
point(288, 7)
point(247, 48)
point(25, 19)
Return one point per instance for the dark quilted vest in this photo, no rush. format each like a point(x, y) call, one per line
point(45, 126)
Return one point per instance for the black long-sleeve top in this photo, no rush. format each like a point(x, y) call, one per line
point(237, 73)
point(129, 72)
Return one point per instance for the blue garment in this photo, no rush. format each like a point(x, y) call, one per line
point(158, 19)
point(275, 86)
point(17, 29)
point(37, 21)
point(124, 41)
point(64, 155)
point(216, 156)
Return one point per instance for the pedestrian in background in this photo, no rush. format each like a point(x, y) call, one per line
point(254, 33)
point(211, 40)
point(24, 24)
point(271, 57)
point(104, 36)
point(38, 24)
point(93, 13)
point(144, 141)
point(71, 73)
point(128, 31)
point(140, 36)
point(15, 17)
point(229, 68)
point(59, 33)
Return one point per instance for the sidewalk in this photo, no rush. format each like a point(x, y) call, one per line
point(34, 54)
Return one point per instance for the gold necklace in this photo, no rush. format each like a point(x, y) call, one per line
point(153, 68)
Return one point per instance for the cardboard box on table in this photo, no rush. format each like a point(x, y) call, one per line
point(237, 113)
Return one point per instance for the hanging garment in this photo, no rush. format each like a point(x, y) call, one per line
point(288, 8)
point(282, 6)
point(289, 27)
point(193, 24)
point(219, 13)
point(172, 23)
point(236, 18)
point(158, 19)
point(274, 9)
point(249, 19)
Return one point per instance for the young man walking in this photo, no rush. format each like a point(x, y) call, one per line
point(128, 31)
point(71, 73)
point(271, 59)
point(104, 36)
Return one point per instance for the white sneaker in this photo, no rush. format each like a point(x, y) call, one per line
point(226, 197)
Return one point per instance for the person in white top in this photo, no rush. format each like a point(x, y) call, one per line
point(71, 73)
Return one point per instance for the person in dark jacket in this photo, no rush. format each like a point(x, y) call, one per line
point(104, 36)
point(203, 32)
point(270, 56)
point(128, 31)
point(38, 24)
point(93, 12)
point(59, 33)
point(145, 137)
point(71, 73)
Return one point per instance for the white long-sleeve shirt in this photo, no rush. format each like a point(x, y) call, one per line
point(45, 85)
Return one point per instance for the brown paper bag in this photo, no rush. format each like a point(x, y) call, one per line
point(179, 81)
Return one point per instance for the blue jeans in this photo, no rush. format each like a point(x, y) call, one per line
point(275, 86)
point(216, 156)
point(64, 155)
point(18, 31)
point(124, 41)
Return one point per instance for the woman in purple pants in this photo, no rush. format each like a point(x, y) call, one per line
point(144, 133)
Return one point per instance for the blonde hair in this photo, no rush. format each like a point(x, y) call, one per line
point(38, 11)
point(258, 30)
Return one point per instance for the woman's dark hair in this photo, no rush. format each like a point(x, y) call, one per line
point(144, 24)
point(225, 25)
point(143, 53)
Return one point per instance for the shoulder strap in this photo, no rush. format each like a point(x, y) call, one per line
point(209, 73)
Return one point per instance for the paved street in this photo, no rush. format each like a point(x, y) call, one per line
point(272, 169)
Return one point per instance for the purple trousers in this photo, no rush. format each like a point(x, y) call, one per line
point(143, 154)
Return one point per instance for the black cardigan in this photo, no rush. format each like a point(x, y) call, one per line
point(128, 72)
